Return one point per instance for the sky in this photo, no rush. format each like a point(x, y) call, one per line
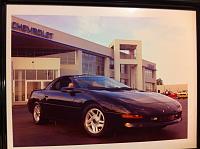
point(167, 36)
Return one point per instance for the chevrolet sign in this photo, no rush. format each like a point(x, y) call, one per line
point(31, 30)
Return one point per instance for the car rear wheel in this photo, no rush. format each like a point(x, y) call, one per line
point(95, 121)
point(38, 117)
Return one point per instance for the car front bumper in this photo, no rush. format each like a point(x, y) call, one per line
point(148, 121)
point(149, 124)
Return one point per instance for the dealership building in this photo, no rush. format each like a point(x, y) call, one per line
point(41, 54)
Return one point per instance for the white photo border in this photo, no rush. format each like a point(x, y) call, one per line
point(190, 142)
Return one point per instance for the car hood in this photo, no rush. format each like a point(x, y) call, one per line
point(145, 102)
point(136, 96)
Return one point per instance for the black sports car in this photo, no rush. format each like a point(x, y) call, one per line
point(102, 103)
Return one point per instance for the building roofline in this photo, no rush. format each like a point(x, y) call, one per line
point(67, 35)
point(60, 31)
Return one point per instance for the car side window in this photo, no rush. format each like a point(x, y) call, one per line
point(63, 82)
point(56, 85)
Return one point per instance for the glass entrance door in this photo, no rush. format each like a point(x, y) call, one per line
point(32, 85)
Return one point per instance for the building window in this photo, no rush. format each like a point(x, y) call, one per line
point(92, 64)
point(19, 90)
point(149, 87)
point(19, 75)
point(30, 74)
point(46, 83)
point(67, 58)
point(32, 86)
point(19, 85)
point(41, 74)
point(123, 69)
point(148, 73)
point(111, 64)
point(35, 74)
point(50, 75)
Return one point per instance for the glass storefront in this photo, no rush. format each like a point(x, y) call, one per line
point(92, 64)
point(25, 81)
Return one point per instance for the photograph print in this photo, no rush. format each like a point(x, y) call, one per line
point(81, 77)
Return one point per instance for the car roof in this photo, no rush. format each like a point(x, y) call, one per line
point(83, 75)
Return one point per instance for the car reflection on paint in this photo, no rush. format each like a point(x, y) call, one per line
point(101, 104)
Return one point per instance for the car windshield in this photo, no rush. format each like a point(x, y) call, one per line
point(99, 82)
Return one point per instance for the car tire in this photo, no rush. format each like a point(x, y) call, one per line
point(38, 115)
point(95, 121)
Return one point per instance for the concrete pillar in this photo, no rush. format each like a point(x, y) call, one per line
point(79, 62)
point(129, 75)
point(131, 54)
point(12, 81)
point(107, 67)
point(20, 86)
point(116, 60)
point(59, 72)
point(143, 77)
point(139, 80)
point(154, 77)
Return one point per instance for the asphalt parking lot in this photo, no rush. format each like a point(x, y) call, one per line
point(26, 133)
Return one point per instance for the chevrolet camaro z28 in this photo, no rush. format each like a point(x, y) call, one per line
point(101, 103)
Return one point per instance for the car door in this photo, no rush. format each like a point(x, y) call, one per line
point(59, 104)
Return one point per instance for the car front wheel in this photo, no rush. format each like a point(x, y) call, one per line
point(95, 121)
point(38, 117)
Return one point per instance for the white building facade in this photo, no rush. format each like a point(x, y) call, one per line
point(40, 54)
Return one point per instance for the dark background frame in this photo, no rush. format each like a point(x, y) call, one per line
point(161, 4)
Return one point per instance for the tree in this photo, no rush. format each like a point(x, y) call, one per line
point(159, 81)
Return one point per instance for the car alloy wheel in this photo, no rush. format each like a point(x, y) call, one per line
point(37, 113)
point(94, 121)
